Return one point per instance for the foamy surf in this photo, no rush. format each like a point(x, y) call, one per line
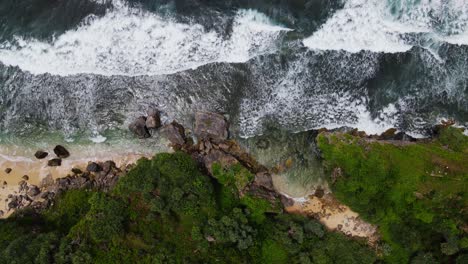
point(381, 26)
point(130, 41)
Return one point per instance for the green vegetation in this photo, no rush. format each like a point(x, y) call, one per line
point(166, 211)
point(416, 193)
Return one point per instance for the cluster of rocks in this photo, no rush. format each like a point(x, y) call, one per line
point(98, 175)
point(142, 125)
point(60, 151)
point(213, 145)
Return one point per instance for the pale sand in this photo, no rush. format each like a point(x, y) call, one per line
point(37, 170)
point(336, 216)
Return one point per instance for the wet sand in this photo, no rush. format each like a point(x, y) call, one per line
point(335, 216)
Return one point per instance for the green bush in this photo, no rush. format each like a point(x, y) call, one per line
point(414, 192)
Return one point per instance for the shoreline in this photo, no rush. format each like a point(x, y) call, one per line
point(38, 172)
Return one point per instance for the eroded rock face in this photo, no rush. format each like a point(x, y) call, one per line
point(175, 133)
point(61, 152)
point(211, 125)
point(41, 154)
point(138, 127)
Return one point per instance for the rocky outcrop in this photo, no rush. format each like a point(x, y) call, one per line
point(210, 125)
point(61, 152)
point(175, 133)
point(42, 196)
point(142, 125)
point(138, 127)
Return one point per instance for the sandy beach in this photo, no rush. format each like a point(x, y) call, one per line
point(335, 216)
point(23, 162)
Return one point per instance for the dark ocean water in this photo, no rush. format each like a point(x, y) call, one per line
point(83, 69)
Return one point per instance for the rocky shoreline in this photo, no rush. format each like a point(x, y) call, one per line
point(209, 144)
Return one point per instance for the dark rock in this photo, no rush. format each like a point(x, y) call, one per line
point(61, 152)
point(13, 204)
point(34, 190)
point(94, 167)
point(25, 177)
point(153, 121)
point(108, 166)
point(211, 125)
point(388, 135)
point(76, 171)
point(45, 195)
point(138, 127)
point(175, 133)
point(54, 162)
point(319, 192)
point(41, 154)
point(286, 201)
point(5, 183)
point(404, 137)
point(2, 213)
point(8, 170)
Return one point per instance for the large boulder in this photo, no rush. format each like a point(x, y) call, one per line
point(61, 152)
point(40, 154)
point(138, 127)
point(175, 133)
point(210, 125)
point(153, 121)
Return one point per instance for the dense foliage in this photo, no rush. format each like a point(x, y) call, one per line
point(416, 193)
point(166, 211)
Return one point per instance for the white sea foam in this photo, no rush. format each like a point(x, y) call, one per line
point(129, 41)
point(379, 26)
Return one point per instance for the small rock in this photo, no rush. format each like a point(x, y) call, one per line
point(211, 125)
point(138, 127)
point(319, 192)
point(94, 167)
point(61, 152)
point(25, 177)
point(2, 213)
point(8, 170)
point(40, 154)
point(54, 162)
point(76, 171)
point(153, 121)
point(33, 191)
point(5, 183)
point(45, 195)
